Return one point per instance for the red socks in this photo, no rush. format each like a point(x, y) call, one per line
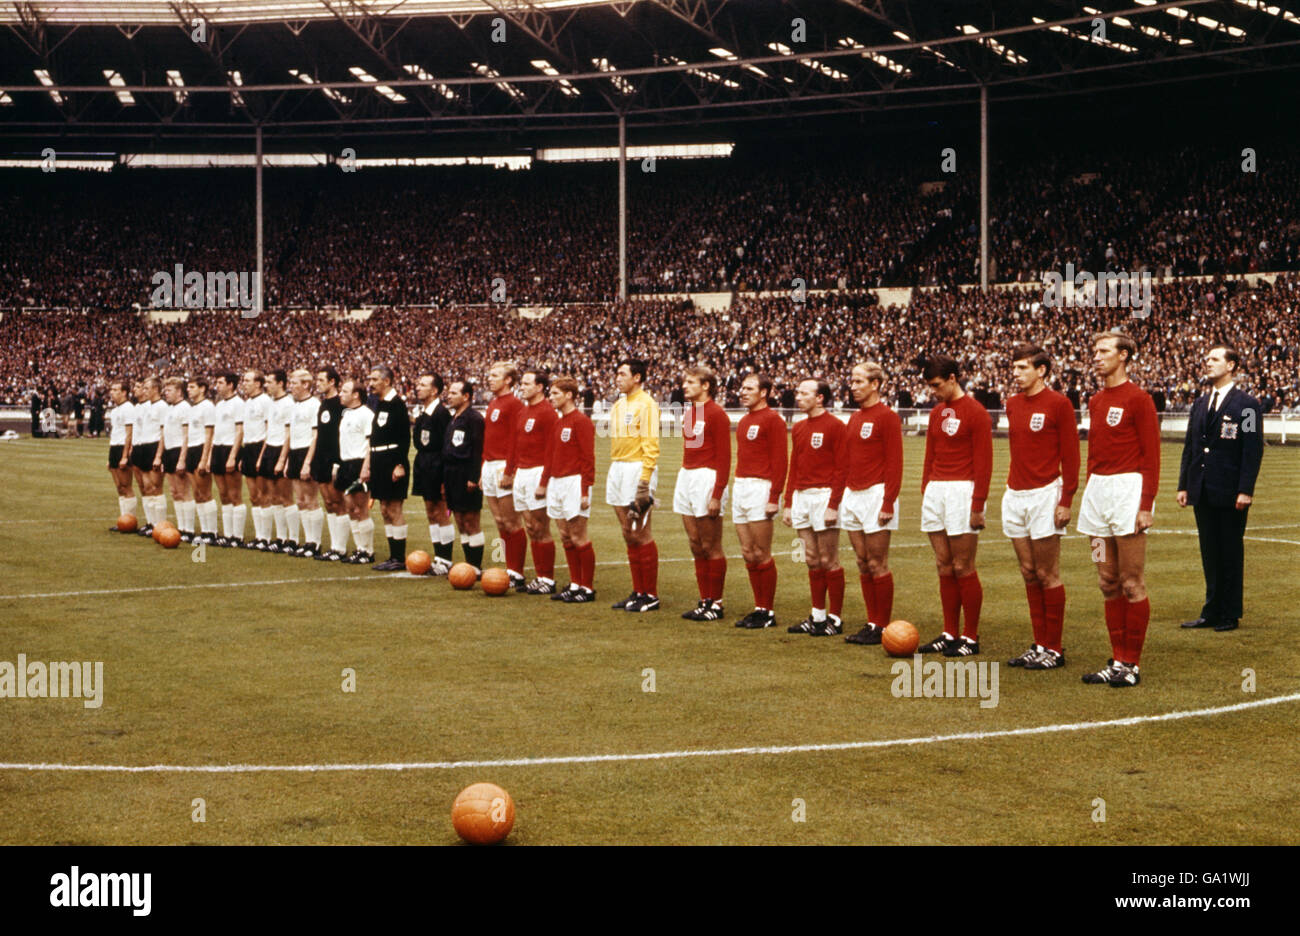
point(884, 607)
point(835, 591)
point(868, 594)
point(544, 559)
point(704, 577)
point(972, 599)
point(762, 581)
point(1115, 625)
point(1053, 617)
point(634, 564)
point(571, 556)
point(516, 550)
point(817, 587)
point(644, 563)
point(587, 560)
point(1137, 615)
point(1037, 614)
point(950, 598)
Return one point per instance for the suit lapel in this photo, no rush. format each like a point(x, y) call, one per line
point(1217, 416)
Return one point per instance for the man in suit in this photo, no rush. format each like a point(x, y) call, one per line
point(1221, 456)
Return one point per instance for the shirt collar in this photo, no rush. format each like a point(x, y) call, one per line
point(390, 394)
point(1224, 390)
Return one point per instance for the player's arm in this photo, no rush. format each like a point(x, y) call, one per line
point(311, 452)
point(365, 461)
point(1252, 453)
point(649, 438)
point(1185, 463)
point(1068, 437)
point(1148, 428)
point(893, 466)
point(476, 428)
point(205, 460)
point(157, 453)
point(403, 444)
point(721, 430)
point(234, 449)
point(282, 462)
point(587, 450)
point(126, 447)
point(779, 459)
point(512, 454)
point(927, 466)
point(789, 484)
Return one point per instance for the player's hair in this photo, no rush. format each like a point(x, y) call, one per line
point(511, 369)
point(1123, 342)
point(175, 382)
point(258, 376)
point(1231, 355)
point(466, 386)
point(873, 370)
point(764, 383)
point(201, 381)
point(279, 376)
point(301, 374)
point(636, 366)
point(941, 366)
point(1035, 355)
point(228, 376)
point(706, 376)
point(436, 378)
point(566, 384)
point(152, 382)
point(331, 375)
point(123, 382)
point(384, 371)
point(824, 389)
point(540, 374)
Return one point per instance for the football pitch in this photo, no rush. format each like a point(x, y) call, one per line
point(236, 665)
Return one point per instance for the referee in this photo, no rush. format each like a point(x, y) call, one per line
point(462, 465)
point(1221, 456)
point(390, 445)
point(428, 433)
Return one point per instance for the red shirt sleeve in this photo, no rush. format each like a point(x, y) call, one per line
point(791, 473)
point(587, 432)
point(550, 454)
point(512, 457)
point(983, 457)
point(1148, 427)
point(779, 446)
point(893, 458)
point(1069, 442)
point(928, 465)
point(721, 432)
point(840, 475)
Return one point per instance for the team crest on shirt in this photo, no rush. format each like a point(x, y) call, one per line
point(1114, 415)
point(457, 436)
point(816, 441)
point(325, 416)
point(565, 433)
point(1036, 422)
point(528, 424)
point(1227, 430)
point(627, 419)
point(382, 419)
point(698, 429)
point(950, 425)
point(865, 431)
point(752, 433)
point(424, 436)
point(495, 413)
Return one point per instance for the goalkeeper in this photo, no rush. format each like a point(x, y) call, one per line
point(630, 488)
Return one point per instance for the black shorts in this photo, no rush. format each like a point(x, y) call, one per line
point(193, 456)
point(171, 458)
point(461, 498)
point(382, 485)
point(248, 458)
point(217, 461)
point(115, 456)
point(349, 472)
point(142, 456)
point(270, 455)
point(297, 457)
point(322, 466)
point(426, 481)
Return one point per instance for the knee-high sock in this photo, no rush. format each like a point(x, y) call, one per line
point(972, 599)
point(240, 520)
point(473, 547)
point(258, 523)
point(950, 598)
point(208, 517)
point(769, 585)
point(703, 579)
point(516, 550)
point(587, 556)
point(817, 588)
point(718, 578)
point(884, 588)
point(312, 521)
point(396, 541)
point(126, 505)
point(869, 597)
point(835, 591)
point(340, 525)
point(367, 530)
point(1115, 626)
point(443, 540)
point(228, 519)
point(355, 527)
point(279, 514)
point(293, 522)
point(544, 559)
point(1054, 617)
point(1137, 615)
point(1037, 612)
point(755, 571)
point(155, 508)
point(634, 565)
point(574, 560)
point(650, 568)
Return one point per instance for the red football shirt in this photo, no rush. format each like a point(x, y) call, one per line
point(959, 447)
point(817, 459)
point(761, 449)
point(572, 450)
point(875, 450)
point(1044, 443)
point(1124, 436)
point(532, 435)
point(499, 427)
point(706, 441)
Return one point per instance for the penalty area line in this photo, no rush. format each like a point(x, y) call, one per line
point(658, 755)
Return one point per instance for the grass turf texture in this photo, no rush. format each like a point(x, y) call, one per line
point(252, 675)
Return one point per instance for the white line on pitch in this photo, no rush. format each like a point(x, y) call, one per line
point(657, 755)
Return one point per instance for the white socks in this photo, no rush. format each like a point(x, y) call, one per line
point(207, 512)
point(281, 523)
point(185, 513)
point(228, 519)
point(155, 509)
point(240, 521)
point(363, 532)
point(446, 534)
point(339, 525)
point(312, 522)
point(291, 522)
point(126, 505)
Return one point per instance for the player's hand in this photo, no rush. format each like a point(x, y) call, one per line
point(771, 510)
point(785, 517)
point(1182, 500)
point(1144, 521)
point(1062, 517)
point(832, 517)
point(180, 468)
point(230, 464)
point(715, 506)
point(884, 517)
point(643, 501)
point(157, 464)
point(977, 519)
point(398, 472)
point(586, 502)
point(472, 485)
point(305, 474)
point(364, 477)
point(204, 470)
point(1244, 501)
point(540, 493)
point(507, 482)
point(121, 466)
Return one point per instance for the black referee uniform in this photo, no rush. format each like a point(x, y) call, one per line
point(462, 461)
point(390, 446)
point(326, 455)
point(428, 433)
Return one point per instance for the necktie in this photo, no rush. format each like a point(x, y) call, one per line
point(1214, 402)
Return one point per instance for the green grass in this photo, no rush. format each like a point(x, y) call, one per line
point(251, 675)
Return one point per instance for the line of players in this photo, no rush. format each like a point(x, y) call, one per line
point(532, 457)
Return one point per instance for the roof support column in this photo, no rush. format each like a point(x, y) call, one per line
point(622, 207)
point(984, 188)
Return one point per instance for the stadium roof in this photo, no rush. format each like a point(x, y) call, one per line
point(113, 73)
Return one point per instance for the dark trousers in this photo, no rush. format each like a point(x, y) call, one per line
point(1221, 530)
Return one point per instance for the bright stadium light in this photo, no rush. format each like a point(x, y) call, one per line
point(1270, 9)
point(935, 52)
point(362, 75)
point(328, 92)
point(622, 84)
point(176, 81)
point(117, 81)
point(417, 72)
point(815, 65)
point(546, 68)
point(848, 42)
point(43, 76)
point(1089, 39)
point(1015, 58)
point(489, 72)
point(5, 99)
point(730, 56)
point(235, 97)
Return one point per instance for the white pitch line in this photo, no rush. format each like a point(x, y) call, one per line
point(655, 755)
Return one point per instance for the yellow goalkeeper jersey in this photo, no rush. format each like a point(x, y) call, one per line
point(634, 431)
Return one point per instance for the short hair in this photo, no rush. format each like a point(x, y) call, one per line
point(764, 383)
point(941, 366)
point(1230, 354)
point(152, 382)
point(331, 375)
point(1035, 355)
point(258, 376)
point(511, 369)
point(706, 376)
point(201, 381)
point(823, 388)
point(123, 382)
point(301, 374)
point(437, 380)
point(175, 382)
point(1123, 342)
point(228, 376)
point(279, 376)
point(636, 366)
point(384, 371)
point(466, 386)
point(566, 384)
point(873, 369)
point(540, 376)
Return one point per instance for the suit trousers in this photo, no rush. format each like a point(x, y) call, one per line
point(1221, 531)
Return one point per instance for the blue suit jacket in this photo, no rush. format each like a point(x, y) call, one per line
point(1221, 453)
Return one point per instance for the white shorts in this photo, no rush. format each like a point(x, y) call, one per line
point(808, 509)
point(694, 490)
point(751, 499)
point(490, 479)
point(526, 481)
point(564, 498)
point(1110, 504)
point(1031, 513)
point(620, 485)
point(860, 510)
point(946, 507)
